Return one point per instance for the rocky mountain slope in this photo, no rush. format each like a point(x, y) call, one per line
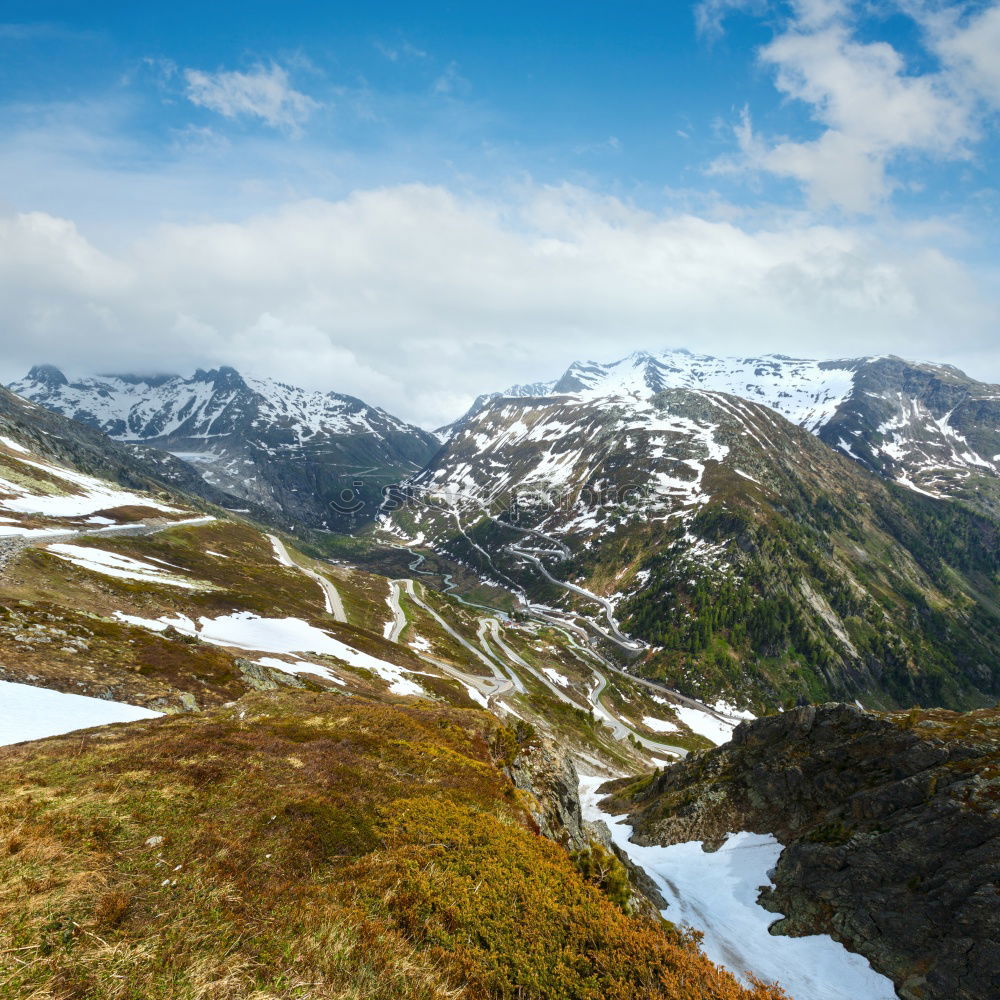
point(293, 452)
point(360, 784)
point(929, 427)
point(718, 546)
point(50, 436)
point(142, 596)
point(891, 829)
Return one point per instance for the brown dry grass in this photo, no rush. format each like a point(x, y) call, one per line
point(314, 848)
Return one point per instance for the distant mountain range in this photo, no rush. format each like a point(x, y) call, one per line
point(926, 426)
point(634, 560)
point(763, 529)
point(309, 457)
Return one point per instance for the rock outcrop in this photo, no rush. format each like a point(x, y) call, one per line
point(549, 777)
point(891, 827)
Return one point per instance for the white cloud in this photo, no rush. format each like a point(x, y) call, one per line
point(264, 92)
point(417, 299)
point(46, 256)
point(394, 52)
point(451, 81)
point(820, 13)
point(710, 15)
point(610, 145)
point(873, 109)
point(971, 49)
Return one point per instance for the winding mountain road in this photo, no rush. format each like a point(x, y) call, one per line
point(616, 635)
point(620, 729)
point(331, 596)
point(492, 625)
point(490, 688)
point(394, 629)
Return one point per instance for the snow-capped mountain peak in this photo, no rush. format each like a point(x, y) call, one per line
point(256, 438)
point(926, 426)
point(203, 405)
point(806, 392)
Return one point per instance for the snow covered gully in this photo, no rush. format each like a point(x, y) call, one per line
point(716, 893)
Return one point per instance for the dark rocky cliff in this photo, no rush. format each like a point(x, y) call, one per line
point(891, 827)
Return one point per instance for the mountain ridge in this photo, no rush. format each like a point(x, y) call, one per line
point(752, 560)
point(293, 451)
point(327, 726)
point(927, 426)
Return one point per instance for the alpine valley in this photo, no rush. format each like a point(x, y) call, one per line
point(769, 531)
point(298, 700)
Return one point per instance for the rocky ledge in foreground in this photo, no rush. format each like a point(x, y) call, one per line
point(891, 825)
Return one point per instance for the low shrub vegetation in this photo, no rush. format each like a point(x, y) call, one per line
point(300, 845)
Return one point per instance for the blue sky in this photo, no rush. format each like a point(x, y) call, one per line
point(417, 203)
point(460, 93)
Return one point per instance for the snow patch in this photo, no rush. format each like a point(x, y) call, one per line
point(33, 713)
point(12, 531)
point(93, 495)
point(244, 630)
point(725, 708)
point(717, 730)
point(122, 567)
point(477, 696)
point(300, 667)
point(557, 678)
point(659, 725)
point(716, 893)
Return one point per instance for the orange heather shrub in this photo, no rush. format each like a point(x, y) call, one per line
point(307, 845)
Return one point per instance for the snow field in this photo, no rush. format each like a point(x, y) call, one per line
point(716, 893)
point(658, 725)
point(122, 567)
point(300, 667)
point(33, 713)
point(93, 495)
point(244, 630)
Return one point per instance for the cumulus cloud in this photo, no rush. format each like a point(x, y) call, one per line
point(264, 92)
point(417, 299)
point(873, 109)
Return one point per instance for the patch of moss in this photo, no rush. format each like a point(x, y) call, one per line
point(829, 833)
